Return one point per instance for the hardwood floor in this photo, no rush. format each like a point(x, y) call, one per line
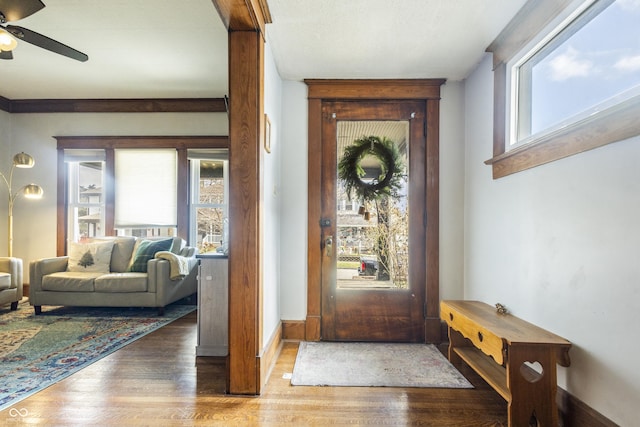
point(156, 381)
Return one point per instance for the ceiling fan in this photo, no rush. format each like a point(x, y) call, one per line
point(14, 10)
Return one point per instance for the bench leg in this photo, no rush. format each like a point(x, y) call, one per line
point(533, 396)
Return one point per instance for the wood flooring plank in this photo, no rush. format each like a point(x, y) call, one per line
point(157, 381)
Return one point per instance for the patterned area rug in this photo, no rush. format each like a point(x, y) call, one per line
point(38, 351)
point(374, 365)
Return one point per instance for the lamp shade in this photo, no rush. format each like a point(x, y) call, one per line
point(23, 160)
point(32, 191)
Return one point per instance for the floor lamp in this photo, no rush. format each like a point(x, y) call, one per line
point(30, 191)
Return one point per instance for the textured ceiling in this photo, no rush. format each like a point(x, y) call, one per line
point(178, 48)
point(384, 38)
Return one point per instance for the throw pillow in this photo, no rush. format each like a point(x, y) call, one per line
point(147, 250)
point(92, 257)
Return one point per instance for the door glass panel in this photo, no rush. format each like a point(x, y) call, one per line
point(372, 232)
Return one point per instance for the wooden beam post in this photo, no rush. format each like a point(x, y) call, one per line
point(246, 83)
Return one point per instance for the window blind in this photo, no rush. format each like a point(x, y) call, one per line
point(146, 188)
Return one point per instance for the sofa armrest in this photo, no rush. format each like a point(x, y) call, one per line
point(159, 272)
point(13, 266)
point(41, 267)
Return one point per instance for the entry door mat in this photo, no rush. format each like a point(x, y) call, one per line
point(38, 351)
point(374, 365)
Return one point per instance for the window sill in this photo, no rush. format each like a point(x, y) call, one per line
point(615, 124)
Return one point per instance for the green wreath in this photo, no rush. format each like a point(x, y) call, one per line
point(351, 172)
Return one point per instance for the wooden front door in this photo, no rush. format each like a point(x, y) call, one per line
point(373, 249)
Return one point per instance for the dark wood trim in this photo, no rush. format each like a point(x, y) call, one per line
point(183, 193)
point(499, 109)
point(245, 189)
point(374, 89)
point(110, 192)
point(163, 141)
point(529, 20)
point(574, 412)
point(606, 128)
point(294, 330)
point(167, 105)
point(244, 15)
point(61, 208)
point(314, 209)
point(319, 91)
point(432, 200)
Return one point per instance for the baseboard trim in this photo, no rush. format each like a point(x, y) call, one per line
point(270, 353)
point(294, 330)
point(575, 413)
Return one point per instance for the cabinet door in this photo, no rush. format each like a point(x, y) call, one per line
point(213, 308)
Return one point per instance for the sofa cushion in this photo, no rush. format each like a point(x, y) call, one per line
point(122, 251)
point(121, 282)
point(69, 281)
point(90, 257)
point(5, 281)
point(146, 250)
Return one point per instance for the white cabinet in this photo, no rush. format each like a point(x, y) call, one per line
point(213, 306)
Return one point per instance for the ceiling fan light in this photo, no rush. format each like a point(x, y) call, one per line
point(7, 42)
point(23, 160)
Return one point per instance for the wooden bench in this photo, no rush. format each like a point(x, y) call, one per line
point(508, 353)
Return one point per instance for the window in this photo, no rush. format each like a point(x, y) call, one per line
point(104, 179)
point(209, 211)
point(572, 83)
point(85, 186)
point(591, 64)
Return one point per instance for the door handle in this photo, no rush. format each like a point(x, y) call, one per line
point(328, 246)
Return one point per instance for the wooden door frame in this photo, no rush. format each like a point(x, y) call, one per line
point(320, 91)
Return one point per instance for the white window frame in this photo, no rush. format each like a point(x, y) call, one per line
point(535, 24)
point(195, 156)
point(73, 162)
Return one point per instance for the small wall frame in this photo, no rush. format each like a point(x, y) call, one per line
point(267, 134)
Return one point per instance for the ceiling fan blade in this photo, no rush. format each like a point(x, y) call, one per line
point(45, 42)
point(6, 54)
point(14, 10)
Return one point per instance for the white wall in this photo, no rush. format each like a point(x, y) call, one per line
point(35, 221)
point(271, 202)
point(293, 237)
point(558, 245)
point(452, 191)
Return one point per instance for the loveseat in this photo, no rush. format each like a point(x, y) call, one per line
point(10, 281)
point(118, 271)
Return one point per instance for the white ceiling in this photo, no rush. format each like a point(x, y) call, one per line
point(178, 48)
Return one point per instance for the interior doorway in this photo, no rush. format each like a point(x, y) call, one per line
point(373, 279)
